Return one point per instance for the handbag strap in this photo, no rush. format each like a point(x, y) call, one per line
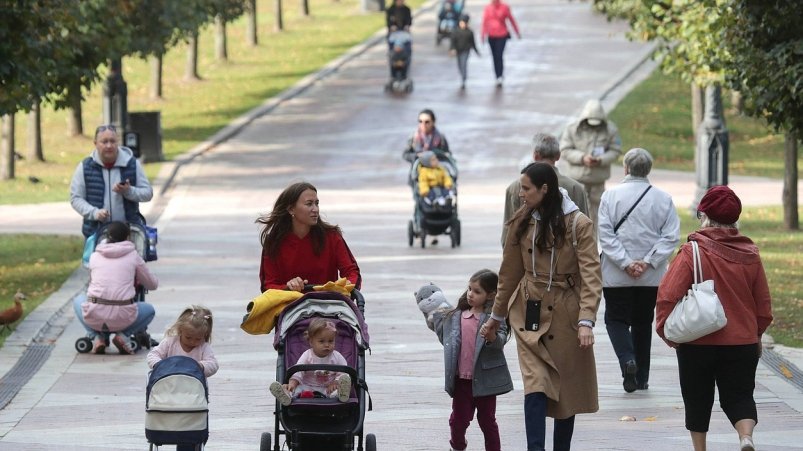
point(698, 264)
point(624, 218)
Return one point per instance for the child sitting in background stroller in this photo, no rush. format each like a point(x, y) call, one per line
point(447, 19)
point(321, 335)
point(399, 58)
point(434, 182)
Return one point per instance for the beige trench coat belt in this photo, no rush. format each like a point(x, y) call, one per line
point(95, 300)
point(558, 280)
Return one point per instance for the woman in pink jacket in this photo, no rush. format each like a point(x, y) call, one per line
point(494, 27)
point(115, 268)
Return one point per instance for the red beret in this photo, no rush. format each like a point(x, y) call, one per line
point(721, 205)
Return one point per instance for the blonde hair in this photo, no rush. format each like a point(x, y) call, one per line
point(195, 316)
point(318, 325)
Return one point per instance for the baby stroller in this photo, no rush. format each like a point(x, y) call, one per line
point(448, 16)
point(176, 400)
point(434, 218)
point(144, 239)
point(322, 423)
point(400, 54)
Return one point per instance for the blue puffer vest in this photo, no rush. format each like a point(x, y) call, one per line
point(96, 191)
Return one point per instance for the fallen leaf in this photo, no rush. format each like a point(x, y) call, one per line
point(785, 371)
point(650, 419)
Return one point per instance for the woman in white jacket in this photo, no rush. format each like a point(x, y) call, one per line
point(115, 268)
point(639, 230)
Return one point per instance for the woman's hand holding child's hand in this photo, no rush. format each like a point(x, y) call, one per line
point(488, 330)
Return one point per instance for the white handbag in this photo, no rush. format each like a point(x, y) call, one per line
point(699, 313)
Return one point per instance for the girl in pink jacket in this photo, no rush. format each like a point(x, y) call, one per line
point(115, 268)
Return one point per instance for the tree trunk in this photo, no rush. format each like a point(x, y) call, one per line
point(7, 148)
point(75, 119)
point(737, 103)
point(35, 133)
point(304, 8)
point(220, 39)
point(697, 108)
point(191, 69)
point(790, 216)
point(156, 76)
point(251, 31)
point(277, 4)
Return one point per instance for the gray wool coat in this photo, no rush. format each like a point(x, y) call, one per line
point(491, 375)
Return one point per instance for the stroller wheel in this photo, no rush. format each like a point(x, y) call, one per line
point(370, 442)
point(83, 345)
point(265, 442)
point(423, 239)
point(410, 233)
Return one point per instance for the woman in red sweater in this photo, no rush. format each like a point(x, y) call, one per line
point(298, 247)
point(728, 357)
point(494, 27)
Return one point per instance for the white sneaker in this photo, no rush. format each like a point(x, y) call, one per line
point(280, 393)
point(344, 388)
point(747, 443)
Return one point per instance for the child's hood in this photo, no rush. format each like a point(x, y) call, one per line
point(115, 250)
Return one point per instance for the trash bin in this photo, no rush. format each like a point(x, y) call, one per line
point(148, 125)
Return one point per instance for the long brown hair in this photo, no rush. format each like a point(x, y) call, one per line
point(551, 228)
point(278, 223)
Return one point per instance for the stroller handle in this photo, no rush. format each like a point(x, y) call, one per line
point(356, 296)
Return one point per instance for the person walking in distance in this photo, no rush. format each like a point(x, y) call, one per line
point(545, 149)
point(495, 19)
point(462, 43)
point(590, 145)
point(638, 231)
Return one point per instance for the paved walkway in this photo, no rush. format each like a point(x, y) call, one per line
point(345, 136)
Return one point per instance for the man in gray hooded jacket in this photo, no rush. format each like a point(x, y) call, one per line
point(109, 184)
point(590, 145)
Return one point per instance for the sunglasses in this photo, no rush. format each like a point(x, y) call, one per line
point(103, 128)
point(699, 214)
point(424, 122)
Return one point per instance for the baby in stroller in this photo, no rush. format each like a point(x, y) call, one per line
point(321, 335)
point(433, 177)
point(400, 43)
point(434, 182)
point(310, 422)
point(447, 19)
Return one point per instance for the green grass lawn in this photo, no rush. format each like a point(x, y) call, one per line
point(193, 111)
point(37, 265)
point(656, 115)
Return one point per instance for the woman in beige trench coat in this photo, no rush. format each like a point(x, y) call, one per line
point(550, 256)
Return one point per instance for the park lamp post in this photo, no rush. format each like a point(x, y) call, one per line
point(711, 151)
point(115, 105)
point(115, 96)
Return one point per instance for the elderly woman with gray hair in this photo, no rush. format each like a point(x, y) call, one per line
point(639, 230)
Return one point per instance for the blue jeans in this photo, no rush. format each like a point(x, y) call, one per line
point(535, 425)
point(462, 64)
point(497, 51)
point(145, 314)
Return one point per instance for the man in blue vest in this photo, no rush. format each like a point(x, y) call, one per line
point(109, 184)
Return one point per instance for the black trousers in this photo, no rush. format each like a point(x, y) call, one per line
point(629, 312)
point(732, 369)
